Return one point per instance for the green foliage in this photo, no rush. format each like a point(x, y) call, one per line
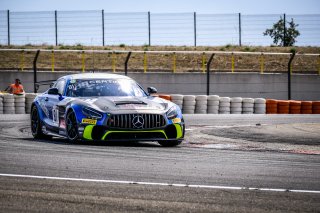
point(78, 47)
point(278, 35)
point(122, 45)
point(293, 50)
point(247, 49)
point(64, 47)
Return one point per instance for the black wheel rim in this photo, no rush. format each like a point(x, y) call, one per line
point(72, 126)
point(34, 121)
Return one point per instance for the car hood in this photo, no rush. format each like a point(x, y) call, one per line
point(119, 105)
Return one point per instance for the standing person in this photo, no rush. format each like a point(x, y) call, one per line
point(16, 88)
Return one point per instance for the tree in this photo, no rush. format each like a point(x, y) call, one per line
point(283, 35)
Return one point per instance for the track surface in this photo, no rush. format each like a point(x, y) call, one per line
point(201, 162)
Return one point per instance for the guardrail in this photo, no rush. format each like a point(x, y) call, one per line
point(206, 64)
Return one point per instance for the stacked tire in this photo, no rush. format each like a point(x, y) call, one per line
point(271, 106)
point(213, 104)
point(316, 107)
point(20, 104)
point(189, 104)
point(236, 105)
point(177, 99)
point(247, 105)
point(8, 104)
point(283, 107)
point(306, 107)
point(201, 104)
point(295, 107)
point(259, 106)
point(224, 105)
point(29, 99)
point(1, 104)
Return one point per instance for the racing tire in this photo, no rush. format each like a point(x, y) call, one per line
point(248, 100)
point(72, 127)
point(169, 143)
point(36, 125)
point(213, 98)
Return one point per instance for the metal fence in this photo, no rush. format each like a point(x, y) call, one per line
point(100, 28)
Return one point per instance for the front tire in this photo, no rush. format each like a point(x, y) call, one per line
point(170, 143)
point(72, 127)
point(36, 125)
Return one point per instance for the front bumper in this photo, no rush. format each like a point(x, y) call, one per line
point(103, 133)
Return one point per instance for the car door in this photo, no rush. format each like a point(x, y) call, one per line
point(53, 100)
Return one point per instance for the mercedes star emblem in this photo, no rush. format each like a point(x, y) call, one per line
point(138, 121)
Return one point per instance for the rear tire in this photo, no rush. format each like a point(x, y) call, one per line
point(170, 143)
point(36, 125)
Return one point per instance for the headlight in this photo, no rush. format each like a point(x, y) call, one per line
point(172, 112)
point(91, 113)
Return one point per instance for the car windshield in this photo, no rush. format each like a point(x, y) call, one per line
point(103, 87)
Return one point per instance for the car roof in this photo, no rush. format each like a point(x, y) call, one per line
point(95, 76)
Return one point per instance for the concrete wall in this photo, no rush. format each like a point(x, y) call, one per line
point(304, 87)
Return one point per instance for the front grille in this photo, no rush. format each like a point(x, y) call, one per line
point(136, 121)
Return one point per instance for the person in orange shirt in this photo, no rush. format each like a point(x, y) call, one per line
point(16, 88)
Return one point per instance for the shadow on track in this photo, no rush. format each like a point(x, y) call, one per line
point(62, 141)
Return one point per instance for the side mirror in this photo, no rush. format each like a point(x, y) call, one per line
point(152, 90)
point(53, 91)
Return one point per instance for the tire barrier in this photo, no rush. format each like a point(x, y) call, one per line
point(259, 106)
point(191, 104)
point(20, 104)
point(283, 107)
point(29, 99)
point(201, 104)
point(306, 107)
point(236, 105)
point(8, 104)
point(247, 106)
point(271, 106)
point(213, 104)
point(316, 107)
point(177, 99)
point(224, 105)
point(295, 107)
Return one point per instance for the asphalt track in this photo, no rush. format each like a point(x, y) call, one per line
point(228, 163)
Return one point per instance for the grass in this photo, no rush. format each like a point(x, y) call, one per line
point(160, 62)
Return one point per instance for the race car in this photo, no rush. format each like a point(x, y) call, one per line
point(105, 107)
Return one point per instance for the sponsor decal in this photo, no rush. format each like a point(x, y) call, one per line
point(176, 120)
point(88, 121)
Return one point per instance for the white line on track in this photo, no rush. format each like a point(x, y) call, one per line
point(161, 184)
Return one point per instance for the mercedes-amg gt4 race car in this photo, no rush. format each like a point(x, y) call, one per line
point(105, 107)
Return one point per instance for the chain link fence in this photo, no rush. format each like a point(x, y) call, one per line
point(99, 28)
